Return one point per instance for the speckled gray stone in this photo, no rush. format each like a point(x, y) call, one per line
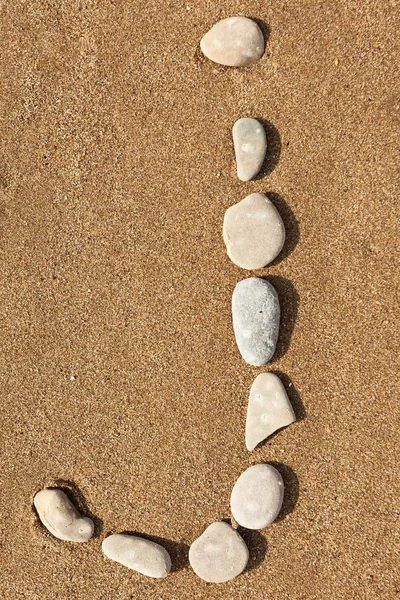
point(257, 496)
point(250, 144)
point(219, 554)
point(253, 232)
point(136, 553)
point(234, 42)
point(255, 314)
point(60, 516)
point(268, 410)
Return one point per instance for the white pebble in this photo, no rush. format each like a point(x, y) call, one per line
point(269, 409)
point(136, 553)
point(60, 516)
point(250, 144)
point(257, 496)
point(219, 554)
point(234, 42)
point(253, 232)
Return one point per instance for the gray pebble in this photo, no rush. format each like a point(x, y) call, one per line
point(255, 314)
point(257, 496)
point(219, 554)
point(234, 42)
point(136, 553)
point(250, 144)
point(253, 232)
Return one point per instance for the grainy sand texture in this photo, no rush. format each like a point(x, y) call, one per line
point(120, 378)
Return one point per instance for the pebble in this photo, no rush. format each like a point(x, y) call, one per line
point(253, 232)
point(257, 496)
point(255, 315)
point(60, 516)
point(141, 555)
point(234, 42)
point(250, 144)
point(269, 409)
point(219, 554)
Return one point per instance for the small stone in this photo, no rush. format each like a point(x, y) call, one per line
point(136, 553)
point(253, 232)
point(219, 554)
point(255, 315)
point(234, 42)
point(257, 496)
point(269, 409)
point(60, 516)
point(250, 144)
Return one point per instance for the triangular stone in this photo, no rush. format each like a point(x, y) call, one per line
point(269, 409)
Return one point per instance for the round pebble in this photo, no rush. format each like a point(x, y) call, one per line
point(234, 42)
point(253, 232)
point(136, 553)
point(60, 517)
point(219, 554)
point(250, 144)
point(255, 315)
point(269, 409)
point(257, 496)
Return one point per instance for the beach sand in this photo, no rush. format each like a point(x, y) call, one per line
point(121, 381)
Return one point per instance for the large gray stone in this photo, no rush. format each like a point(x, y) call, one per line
point(257, 496)
point(250, 144)
point(255, 314)
point(269, 409)
point(219, 554)
point(234, 42)
point(60, 516)
point(253, 232)
point(136, 553)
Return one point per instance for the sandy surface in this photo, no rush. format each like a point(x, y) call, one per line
point(116, 168)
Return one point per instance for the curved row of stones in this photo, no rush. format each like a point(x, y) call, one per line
point(254, 235)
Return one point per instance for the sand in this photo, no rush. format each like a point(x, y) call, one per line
point(120, 376)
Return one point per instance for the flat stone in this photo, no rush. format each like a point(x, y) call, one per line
point(257, 496)
point(253, 232)
point(136, 553)
point(219, 554)
point(234, 42)
point(250, 144)
point(60, 517)
point(255, 315)
point(269, 409)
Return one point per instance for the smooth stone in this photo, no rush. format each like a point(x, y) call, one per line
point(255, 315)
point(250, 144)
point(257, 496)
point(253, 232)
point(234, 42)
point(136, 553)
point(219, 554)
point(60, 517)
point(269, 409)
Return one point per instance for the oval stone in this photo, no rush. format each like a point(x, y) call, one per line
point(234, 42)
point(257, 496)
point(250, 144)
point(219, 554)
point(269, 409)
point(253, 232)
point(255, 315)
point(60, 517)
point(136, 553)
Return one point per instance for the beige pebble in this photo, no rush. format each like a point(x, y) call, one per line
point(234, 42)
point(60, 516)
point(253, 232)
point(137, 553)
point(269, 409)
point(250, 144)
